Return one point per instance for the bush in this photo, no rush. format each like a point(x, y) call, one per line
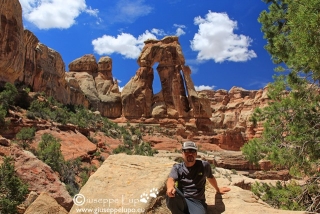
point(12, 190)
point(3, 113)
point(8, 95)
point(50, 153)
point(25, 136)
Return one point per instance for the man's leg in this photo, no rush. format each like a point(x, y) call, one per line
point(196, 206)
point(177, 204)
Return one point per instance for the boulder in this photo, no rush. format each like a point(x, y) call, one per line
point(124, 182)
point(45, 204)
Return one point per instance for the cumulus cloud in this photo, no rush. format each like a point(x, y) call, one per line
point(46, 14)
point(124, 44)
point(204, 87)
point(216, 39)
point(179, 30)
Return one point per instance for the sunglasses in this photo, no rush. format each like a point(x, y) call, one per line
point(189, 151)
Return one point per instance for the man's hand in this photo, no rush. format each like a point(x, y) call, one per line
point(223, 190)
point(171, 192)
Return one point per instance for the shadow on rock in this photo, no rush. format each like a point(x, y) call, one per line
point(218, 207)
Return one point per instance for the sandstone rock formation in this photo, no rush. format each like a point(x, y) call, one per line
point(96, 82)
point(24, 60)
point(137, 182)
point(177, 99)
point(11, 41)
point(39, 176)
point(124, 181)
point(231, 112)
point(45, 204)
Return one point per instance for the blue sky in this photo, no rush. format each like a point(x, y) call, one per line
point(221, 40)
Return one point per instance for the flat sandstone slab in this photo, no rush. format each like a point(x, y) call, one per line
point(124, 182)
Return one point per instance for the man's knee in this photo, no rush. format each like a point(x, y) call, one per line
point(176, 204)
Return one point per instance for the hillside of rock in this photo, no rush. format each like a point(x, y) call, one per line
point(218, 117)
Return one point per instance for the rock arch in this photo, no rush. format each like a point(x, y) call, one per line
point(177, 98)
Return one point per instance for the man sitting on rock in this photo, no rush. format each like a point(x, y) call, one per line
point(186, 183)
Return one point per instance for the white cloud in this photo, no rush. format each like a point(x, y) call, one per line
point(179, 30)
point(216, 40)
point(47, 14)
point(204, 87)
point(92, 12)
point(124, 44)
point(121, 88)
point(158, 32)
point(129, 10)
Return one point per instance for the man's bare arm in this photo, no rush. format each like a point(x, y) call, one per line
point(220, 190)
point(170, 187)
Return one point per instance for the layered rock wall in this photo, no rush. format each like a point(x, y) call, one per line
point(95, 81)
point(11, 41)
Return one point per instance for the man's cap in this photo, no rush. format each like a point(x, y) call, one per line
point(189, 145)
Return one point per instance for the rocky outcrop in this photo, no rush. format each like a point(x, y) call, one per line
point(73, 144)
point(138, 183)
point(95, 81)
point(40, 177)
point(231, 112)
point(172, 101)
point(11, 41)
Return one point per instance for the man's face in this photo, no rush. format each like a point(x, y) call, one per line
point(189, 155)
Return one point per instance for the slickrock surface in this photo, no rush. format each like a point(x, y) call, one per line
point(128, 181)
point(124, 180)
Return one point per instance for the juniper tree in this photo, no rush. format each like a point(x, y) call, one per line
point(291, 136)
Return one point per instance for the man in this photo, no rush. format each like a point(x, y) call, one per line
point(186, 183)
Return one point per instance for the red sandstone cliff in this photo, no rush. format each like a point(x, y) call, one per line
point(217, 117)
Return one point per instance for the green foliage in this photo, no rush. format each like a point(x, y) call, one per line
point(3, 113)
point(69, 170)
point(144, 149)
point(50, 153)
point(12, 190)
point(291, 29)
point(25, 136)
point(8, 95)
point(291, 136)
point(289, 196)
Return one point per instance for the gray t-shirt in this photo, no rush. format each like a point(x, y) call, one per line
point(192, 180)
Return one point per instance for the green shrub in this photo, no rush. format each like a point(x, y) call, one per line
point(13, 191)
point(280, 196)
point(50, 153)
point(8, 95)
point(3, 113)
point(25, 136)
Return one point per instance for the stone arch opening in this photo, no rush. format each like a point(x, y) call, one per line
point(156, 84)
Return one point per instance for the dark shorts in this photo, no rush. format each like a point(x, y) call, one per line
point(181, 205)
